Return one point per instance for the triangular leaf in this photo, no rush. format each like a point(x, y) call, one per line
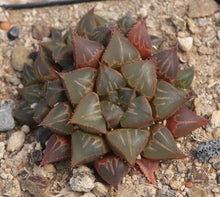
point(102, 34)
point(184, 121)
point(126, 95)
point(78, 83)
point(50, 46)
point(111, 169)
point(112, 96)
point(44, 68)
point(63, 56)
point(184, 78)
point(56, 34)
point(86, 24)
point(112, 113)
point(99, 20)
point(28, 76)
point(58, 148)
point(54, 92)
point(88, 114)
point(108, 80)
point(32, 93)
point(141, 76)
point(58, 119)
point(140, 38)
point(86, 52)
point(161, 145)
point(166, 100)
point(86, 147)
point(128, 143)
point(148, 168)
point(157, 44)
point(41, 110)
point(138, 115)
point(119, 51)
point(24, 114)
point(167, 64)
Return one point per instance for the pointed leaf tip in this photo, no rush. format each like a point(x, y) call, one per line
point(119, 51)
point(184, 121)
point(57, 149)
point(128, 143)
point(111, 169)
point(161, 145)
point(140, 38)
point(148, 167)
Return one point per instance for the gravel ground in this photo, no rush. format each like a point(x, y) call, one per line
point(194, 26)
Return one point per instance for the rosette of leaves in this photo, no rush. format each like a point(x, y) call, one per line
point(102, 94)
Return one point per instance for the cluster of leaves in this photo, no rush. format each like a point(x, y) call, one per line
point(103, 93)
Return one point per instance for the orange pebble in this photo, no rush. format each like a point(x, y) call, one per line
point(6, 25)
point(189, 184)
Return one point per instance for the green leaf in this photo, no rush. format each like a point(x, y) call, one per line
point(86, 147)
point(112, 113)
point(108, 80)
point(88, 114)
point(24, 114)
point(86, 52)
point(28, 76)
point(58, 148)
point(184, 78)
point(138, 115)
point(78, 83)
point(58, 119)
point(41, 110)
point(63, 56)
point(128, 143)
point(141, 76)
point(56, 34)
point(86, 24)
point(50, 46)
point(102, 34)
point(125, 23)
point(100, 21)
point(112, 169)
point(112, 96)
point(166, 100)
point(119, 51)
point(32, 93)
point(167, 64)
point(126, 95)
point(161, 145)
point(44, 68)
point(54, 92)
point(140, 38)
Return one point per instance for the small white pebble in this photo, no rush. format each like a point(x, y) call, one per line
point(25, 128)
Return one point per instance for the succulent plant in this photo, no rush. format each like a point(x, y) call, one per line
point(108, 94)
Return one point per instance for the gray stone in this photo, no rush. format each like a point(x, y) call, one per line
point(6, 119)
point(202, 22)
point(175, 184)
point(100, 189)
point(179, 22)
point(12, 189)
point(196, 191)
point(208, 150)
point(16, 141)
point(40, 30)
point(202, 50)
point(201, 8)
point(2, 149)
point(185, 43)
point(218, 34)
point(19, 57)
point(82, 179)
